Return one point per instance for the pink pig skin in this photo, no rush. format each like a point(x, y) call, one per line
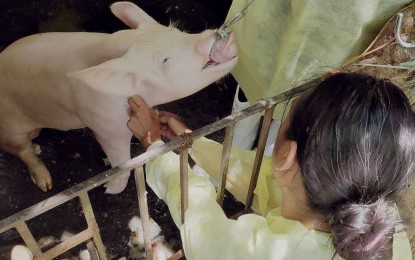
point(74, 80)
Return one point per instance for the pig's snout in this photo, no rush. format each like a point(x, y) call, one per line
point(224, 48)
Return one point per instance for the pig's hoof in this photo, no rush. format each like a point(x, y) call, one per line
point(117, 185)
point(44, 184)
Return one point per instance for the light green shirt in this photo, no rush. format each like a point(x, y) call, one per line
point(208, 234)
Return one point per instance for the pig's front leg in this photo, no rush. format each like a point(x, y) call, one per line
point(117, 148)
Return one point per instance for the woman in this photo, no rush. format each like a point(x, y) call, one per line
point(341, 157)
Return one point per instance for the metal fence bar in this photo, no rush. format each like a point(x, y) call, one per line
point(259, 155)
point(92, 224)
point(184, 188)
point(143, 207)
point(224, 165)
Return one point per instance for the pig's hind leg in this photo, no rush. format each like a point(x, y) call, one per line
point(21, 146)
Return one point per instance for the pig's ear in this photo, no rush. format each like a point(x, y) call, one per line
point(109, 78)
point(130, 14)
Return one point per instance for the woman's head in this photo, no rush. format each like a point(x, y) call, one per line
point(355, 140)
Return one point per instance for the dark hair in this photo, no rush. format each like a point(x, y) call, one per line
point(356, 151)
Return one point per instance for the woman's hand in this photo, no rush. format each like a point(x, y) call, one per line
point(144, 122)
point(172, 125)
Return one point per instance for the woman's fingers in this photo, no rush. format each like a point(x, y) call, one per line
point(144, 121)
point(177, 126)
point(142, 117)
point(165, 116)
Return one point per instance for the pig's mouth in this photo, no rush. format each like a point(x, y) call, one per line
point(221, 51)
point(210, 63)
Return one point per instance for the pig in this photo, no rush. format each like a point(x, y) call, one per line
point(161, 250)
point(74, 80)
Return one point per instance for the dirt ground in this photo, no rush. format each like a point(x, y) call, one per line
point(75, 156)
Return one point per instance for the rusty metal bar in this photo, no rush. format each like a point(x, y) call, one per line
point(259, 155)
point(28, 238)
point(184, 188)
point(143, 207)
point(92, 224)
point(224, 165)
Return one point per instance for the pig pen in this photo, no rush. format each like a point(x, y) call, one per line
point(75, 156)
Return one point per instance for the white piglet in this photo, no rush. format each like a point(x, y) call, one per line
point(74, 80)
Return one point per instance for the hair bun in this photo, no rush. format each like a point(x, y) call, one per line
point(363, 229)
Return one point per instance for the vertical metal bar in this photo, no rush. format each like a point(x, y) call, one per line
point(142, 203)
point(259, 154)
point(28, 238)
point(224, 165)
point(92, 224)
point(184, 189)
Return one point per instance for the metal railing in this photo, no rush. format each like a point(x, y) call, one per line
point(91, 235)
